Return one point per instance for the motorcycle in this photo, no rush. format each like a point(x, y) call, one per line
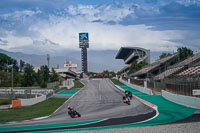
point(126, 100)
point(128, 94)
point(74, 114)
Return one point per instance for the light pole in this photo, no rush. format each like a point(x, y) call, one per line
point(12, 76)
point(12, 81)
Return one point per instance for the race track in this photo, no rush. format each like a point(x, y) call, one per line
point(98, 100)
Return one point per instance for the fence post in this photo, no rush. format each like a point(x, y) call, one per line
point(145, 84)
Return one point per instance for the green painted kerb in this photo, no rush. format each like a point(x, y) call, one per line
point(168, 111)
point(67, 92)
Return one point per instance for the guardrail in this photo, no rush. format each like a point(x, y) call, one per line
point(28, 102)
point(139, 88)
point(188, 101)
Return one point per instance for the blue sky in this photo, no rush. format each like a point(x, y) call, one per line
point(52, 26)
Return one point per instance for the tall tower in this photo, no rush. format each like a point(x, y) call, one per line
point(84, 44)
point(48, 60)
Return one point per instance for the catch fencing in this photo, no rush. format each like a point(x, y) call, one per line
point(183, 86)
point(176, 85)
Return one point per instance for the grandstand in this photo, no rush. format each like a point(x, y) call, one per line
point(177, 68)
point(169, 74)
point(131, 54)
point(192, 71)
point(156, 68)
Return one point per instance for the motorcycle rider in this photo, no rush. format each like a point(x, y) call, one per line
point(73, 113)
point(126, 100)
point(128, 94)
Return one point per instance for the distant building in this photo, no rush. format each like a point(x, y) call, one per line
point(69, 71)
point(36, 68)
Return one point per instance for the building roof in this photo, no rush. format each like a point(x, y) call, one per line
point(130, 54)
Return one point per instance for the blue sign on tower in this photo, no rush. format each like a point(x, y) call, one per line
point(83, 36)
point(83, 40)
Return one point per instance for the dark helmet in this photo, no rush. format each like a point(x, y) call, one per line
point(69, 107)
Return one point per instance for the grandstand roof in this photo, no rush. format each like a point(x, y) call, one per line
point(154, 65)
point(130, 54)
point(188, 61)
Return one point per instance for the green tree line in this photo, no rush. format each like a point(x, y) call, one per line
point(24, 74)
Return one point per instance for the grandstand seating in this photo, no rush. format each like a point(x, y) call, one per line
point(195, 70)
point(154, 65)
point(189, 61)
point(168, 72)
point(175, 68)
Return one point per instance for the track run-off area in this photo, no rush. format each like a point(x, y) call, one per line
point(101, 106)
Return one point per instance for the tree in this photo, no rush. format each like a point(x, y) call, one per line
point(21, 65)
point(106, 73)
point(54, 76)
point(43, 76)
point(29, 76)
point(4, 62)
point(45, 73)
point(184, 53)
point(163, 55)
point(135, 66)
point(39, 78)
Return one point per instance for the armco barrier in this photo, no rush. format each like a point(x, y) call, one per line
point(31, 101)
point(139, 88)
point(188, 101)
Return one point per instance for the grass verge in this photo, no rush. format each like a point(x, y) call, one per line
point(25, 113)
point(116, 82)
point(77, 85)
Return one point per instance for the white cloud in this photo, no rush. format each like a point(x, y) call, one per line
point(3, 42)
point(61, 32)
point(103, 13)
point(64, 31)
point(189, 2)
point(18, 14)
point(14, 41)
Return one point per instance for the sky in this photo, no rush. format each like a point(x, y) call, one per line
point(52, 26)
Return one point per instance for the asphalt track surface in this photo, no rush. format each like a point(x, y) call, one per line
point(98, 100)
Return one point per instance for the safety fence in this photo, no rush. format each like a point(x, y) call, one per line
point(183, 86)
point(176, 85)
point(138, 82)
